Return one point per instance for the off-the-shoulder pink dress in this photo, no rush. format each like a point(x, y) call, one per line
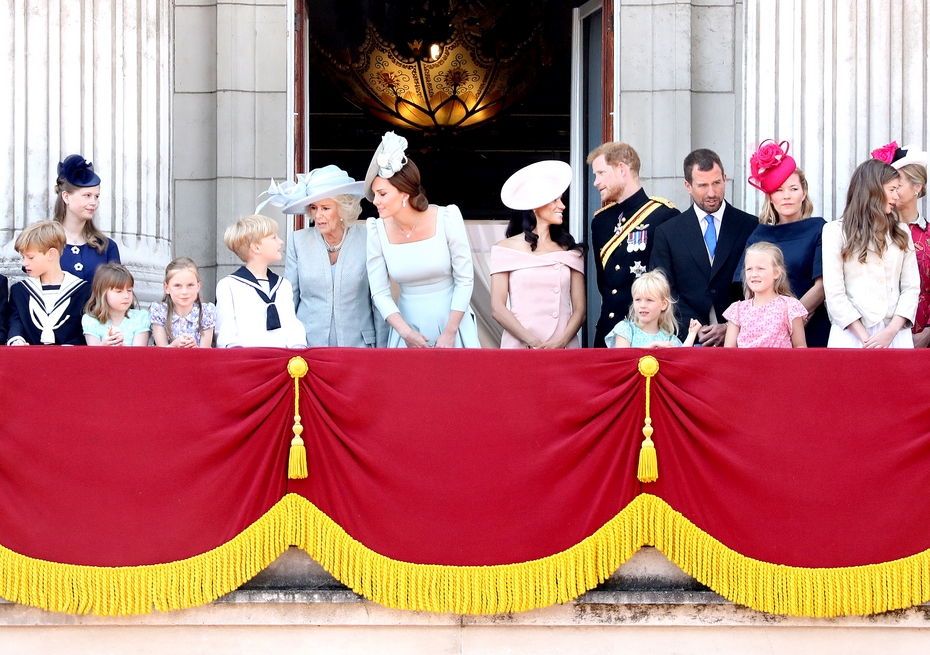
point(540, 291)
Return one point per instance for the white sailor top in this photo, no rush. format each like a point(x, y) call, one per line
point(49, 314)
point(250, 313)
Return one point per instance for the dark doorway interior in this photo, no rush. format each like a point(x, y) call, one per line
point(465, 168)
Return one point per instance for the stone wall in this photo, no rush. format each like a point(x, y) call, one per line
point(680, 67)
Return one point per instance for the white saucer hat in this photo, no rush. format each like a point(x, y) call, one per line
point(910, 154)
point(535, 185)
point(390, 157)
point(319, 183)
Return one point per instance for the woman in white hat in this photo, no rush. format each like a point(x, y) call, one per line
point(425, 249)
point(539, 268)
point(325, 262)
point(911, 163)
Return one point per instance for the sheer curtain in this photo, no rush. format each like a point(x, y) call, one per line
point(482, 235)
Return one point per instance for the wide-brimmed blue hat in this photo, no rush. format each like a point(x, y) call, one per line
point(78, 171)
point(325, 182)
point(319, 183)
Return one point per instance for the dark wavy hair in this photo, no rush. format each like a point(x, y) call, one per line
point(525, 223)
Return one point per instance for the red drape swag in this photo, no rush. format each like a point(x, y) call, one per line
point(128, 456)
point(117, 457)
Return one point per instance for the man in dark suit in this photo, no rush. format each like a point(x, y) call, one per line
point(700, 249)
point(4, 309)
point(622, 232)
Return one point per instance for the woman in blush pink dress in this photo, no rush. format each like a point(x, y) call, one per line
point(537, 272)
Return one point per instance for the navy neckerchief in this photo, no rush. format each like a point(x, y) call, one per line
point(244, 275)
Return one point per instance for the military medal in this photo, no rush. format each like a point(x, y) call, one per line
point(636, 240)
point(619, 227)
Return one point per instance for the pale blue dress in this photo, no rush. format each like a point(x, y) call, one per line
point(637, 337)
point(435, 275)
point(136, 321)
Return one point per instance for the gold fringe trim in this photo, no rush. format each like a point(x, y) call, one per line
point(559, 578)
point(126, 590)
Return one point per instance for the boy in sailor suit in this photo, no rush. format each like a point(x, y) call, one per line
point(254, 306)
point(46, 308)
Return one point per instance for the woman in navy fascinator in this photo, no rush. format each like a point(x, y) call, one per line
point(78, 191)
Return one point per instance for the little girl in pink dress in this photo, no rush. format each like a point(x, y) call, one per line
point(771, 317)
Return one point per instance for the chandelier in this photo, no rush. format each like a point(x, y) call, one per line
point(442, 74)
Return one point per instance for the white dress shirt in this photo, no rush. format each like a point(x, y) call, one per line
point(704, 218)
point(872, 292)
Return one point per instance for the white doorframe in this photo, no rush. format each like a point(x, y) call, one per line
point(577, 152)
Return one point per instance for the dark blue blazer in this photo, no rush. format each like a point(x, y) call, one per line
point(680, 252)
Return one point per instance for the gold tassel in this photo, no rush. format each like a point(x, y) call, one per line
point(648, 470)
point(297, 460)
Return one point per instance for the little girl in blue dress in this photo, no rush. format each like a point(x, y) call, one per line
point(112, 316)
point(651, 322)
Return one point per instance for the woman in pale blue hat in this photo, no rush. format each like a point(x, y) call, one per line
point(325, 262)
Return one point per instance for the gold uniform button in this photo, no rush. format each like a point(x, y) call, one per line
point(610, 315)
point(617, 267)
point(614, 292)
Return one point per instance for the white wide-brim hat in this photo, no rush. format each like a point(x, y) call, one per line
point(321, 183)
point(389, 158)
point(535, 185)
point(913, 155)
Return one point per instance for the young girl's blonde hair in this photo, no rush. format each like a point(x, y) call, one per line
point(782, 285)
point(172, 269)
point(108, 276)
point(654, 283)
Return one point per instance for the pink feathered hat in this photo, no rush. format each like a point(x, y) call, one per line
point(770, 166)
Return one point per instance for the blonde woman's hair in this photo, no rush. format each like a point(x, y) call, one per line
point(42, 237)
point(782, 285)
point(917, 174)
point(109, 276)
point(91, 233)
point(347, 206)
point(769, 215)
point(654, 283)
point(172, 269)
point(246, 231)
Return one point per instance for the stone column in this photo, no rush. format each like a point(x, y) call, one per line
point(678, 68)
point(230, 122)
point(89, 77)
point(837, 80)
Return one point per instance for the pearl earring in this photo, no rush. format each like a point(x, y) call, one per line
point(403, 203)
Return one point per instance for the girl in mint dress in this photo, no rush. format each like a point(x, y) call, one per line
point(651, 322)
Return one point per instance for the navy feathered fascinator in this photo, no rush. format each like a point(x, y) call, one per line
point(78, 171)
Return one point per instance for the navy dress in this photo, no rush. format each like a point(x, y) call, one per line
point(82, 261)
point(800, 243)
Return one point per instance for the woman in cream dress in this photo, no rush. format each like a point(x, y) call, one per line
point(537, 273)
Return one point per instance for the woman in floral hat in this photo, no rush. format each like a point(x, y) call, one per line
point(870, 274)
point(424, 248)
point(78, 191)
point(786, 220)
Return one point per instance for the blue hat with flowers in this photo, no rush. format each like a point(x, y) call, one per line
point(78, 171)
